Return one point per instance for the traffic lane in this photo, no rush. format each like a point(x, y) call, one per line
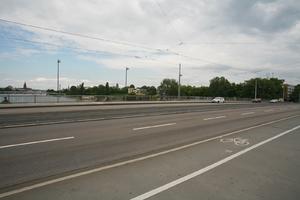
point(21, 134)
point(269, 172)
point(106, 107)
point(39, 161)
point(115, 129)
point(12, 119)
point(131, 180)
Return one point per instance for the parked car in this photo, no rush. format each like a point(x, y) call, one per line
point(274, 101)
point(257, 100)
point(218, 100)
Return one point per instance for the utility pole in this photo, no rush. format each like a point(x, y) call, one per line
point(179, 77)
point(255, 95)
point(283, 92)
point(58, 61)
point(126, 69)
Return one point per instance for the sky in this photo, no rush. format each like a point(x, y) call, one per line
point(97, 39)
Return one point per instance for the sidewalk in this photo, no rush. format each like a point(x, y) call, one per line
point(36, 105)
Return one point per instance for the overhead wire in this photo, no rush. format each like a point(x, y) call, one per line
point(167, 51)
point(169, 21)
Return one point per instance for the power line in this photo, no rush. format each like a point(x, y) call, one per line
point(169, 21)
point(87, 50)
point(61, 46)
point(79, 35)
point(234, 43)
point(108, 40)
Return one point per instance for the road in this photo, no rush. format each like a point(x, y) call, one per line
point(230, 151)
point(42, 115)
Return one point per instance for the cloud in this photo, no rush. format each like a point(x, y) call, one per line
point(239, 39)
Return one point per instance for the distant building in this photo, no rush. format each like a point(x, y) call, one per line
point(137, 91)
point(24, 90)
point(287, 91)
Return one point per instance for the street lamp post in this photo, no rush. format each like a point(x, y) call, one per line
point(283, 92)
point(179, 78)
point(255, 95)
point(126, 69)
point(58, 61)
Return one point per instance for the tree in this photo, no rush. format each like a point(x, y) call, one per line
point(168, 87)
point(150, 90)
point(131, 86)
point(107, 88)
point(266, 88)
point(73, 90)
point(220, 86)
point(81, 89)
point(295, 96)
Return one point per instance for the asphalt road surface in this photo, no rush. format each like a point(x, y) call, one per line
point(230, 151)
point(46, 115)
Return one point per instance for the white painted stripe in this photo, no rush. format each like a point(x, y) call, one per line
point(38, 185)
point(208, 168)
point(35, 142)
point(87, 120)
point(248, 113)
point(154, 126)
point(128, 116)
point(211, 118)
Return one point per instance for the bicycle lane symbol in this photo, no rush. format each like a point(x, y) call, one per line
point(237, 141)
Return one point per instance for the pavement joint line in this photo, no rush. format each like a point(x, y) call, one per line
point(72, 176)
point(209, 167)
point(271, 110)
point(248, 113)
point(154, 126)
point(211, 118)
point(36, 142)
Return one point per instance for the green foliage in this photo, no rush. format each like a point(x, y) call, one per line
point(296, 94)
point(266, 88)
point(168, 87)
point(219, 86)
point(95, 90)
point(150, 90)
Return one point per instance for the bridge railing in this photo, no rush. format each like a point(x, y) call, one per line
point(37, 98)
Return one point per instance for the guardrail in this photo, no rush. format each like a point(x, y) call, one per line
point(36, 98)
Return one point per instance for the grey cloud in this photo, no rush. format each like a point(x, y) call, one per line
point(262, 15)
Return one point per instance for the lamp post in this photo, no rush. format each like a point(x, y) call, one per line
point(126, 69)
point(58, 61)
point(179, 77)
point(255, 92)
point(283, 92)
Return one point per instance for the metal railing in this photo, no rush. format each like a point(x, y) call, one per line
point(43, 98)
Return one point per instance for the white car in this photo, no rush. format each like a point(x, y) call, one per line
point(218, 100)
point(274, 101)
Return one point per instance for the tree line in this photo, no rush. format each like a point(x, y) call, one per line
point(267, 88)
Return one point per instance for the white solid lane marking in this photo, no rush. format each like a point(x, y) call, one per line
point(248, 113)
point(210, 167)
point(154, 126)
point(36, 142)
point(211, 118)
point(76, 175)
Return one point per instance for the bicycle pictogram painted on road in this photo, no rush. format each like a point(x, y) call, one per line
point(237, 141)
